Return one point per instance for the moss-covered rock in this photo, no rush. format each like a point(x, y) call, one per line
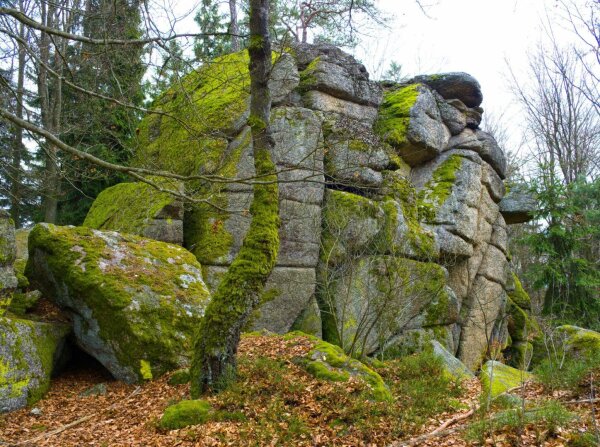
point(410, 121)
point(139, 208)
point(497, 378)
point(135, 302)
point(21, 236)
point(329, 362)
point(521, 325)
point(452, 366)
point(217, 95)
point(8, 281)
point(185, 413)
point(28, 353)
point(580, 342)
point(22, 302)
point(519, 296)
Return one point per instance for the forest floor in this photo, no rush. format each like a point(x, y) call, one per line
point(278, 403)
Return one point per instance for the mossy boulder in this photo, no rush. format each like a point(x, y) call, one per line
point(498, 378)
point(329, 362)
point(521, 325)
point(135, 302)
point(139, 208)
point(410, 121)
point(28, 353)
point(21, 236)
point(580, 342)
point(452, 366)
point(519, 296)
point(185, 413)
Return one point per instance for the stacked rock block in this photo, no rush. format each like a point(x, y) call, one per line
point(28, 349)
point(8, 252)
point(391, 199)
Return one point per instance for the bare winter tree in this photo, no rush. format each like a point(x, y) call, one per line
point(563, 125)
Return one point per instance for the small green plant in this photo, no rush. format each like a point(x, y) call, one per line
point(547, 417)
point(565, 373)
point(582, 440)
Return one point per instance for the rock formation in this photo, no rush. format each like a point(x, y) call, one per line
point(393, 229)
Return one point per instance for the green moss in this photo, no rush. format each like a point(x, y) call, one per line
point(329, 362)
point(437, 311)
point(581, 342)
point(519, 296)
point(31, 349)
point(22, 280)
point(186, 413)
point(341, 210)
point(187, 137)
point(521, 326)
point(84, 261)
point(309, 321)
point(394, 114)
point(23, 301)
point(401, 190)
point(145, 370)
point(308, 79)
point(179, 377)
point(437, 190)
point(129, 207)
point(498, 378)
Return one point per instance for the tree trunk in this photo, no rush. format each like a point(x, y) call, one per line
point(49, 121)
point(234, 29)
point(15, 187)
point(218, 336)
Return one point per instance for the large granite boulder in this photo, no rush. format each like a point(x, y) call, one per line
point(29, 352)
point(134, 302)
point(461, 86)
